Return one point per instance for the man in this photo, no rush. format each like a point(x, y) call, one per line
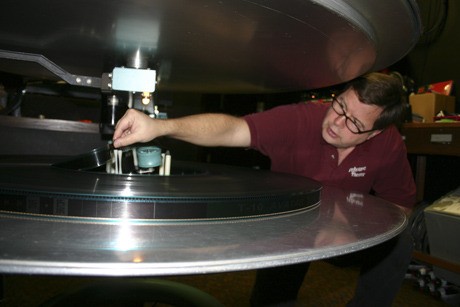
point(324, 142)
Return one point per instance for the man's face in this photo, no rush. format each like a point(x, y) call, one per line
point(363, 116)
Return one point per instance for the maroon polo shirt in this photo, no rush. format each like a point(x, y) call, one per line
point(291, 137)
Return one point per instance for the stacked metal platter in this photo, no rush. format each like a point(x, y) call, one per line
point(208, 46)
point(210, 219)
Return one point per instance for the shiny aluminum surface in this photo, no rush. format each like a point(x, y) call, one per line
point(209, 45)
point(343, 222)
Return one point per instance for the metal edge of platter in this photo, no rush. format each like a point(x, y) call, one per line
point(345, 222)
point(193, 191)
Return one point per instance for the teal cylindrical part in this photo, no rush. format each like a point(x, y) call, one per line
point(148, 156)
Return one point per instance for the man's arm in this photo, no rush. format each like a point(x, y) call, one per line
point(203, 129)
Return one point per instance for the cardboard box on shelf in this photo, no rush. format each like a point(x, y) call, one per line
point(429, 104)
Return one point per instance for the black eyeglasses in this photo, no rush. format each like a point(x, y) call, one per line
point(338, 108)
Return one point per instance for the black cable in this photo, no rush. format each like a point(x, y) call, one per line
point(418, 228)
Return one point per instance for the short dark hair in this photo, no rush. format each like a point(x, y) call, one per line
point(385, 91)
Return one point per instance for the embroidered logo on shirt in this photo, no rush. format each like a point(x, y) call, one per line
point(357, 171)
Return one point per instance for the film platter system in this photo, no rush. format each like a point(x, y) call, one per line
point(102, 212)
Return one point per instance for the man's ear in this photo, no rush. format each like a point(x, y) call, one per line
point(374, 133)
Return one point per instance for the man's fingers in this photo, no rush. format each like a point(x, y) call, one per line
point(124, 140)
point(123, 126)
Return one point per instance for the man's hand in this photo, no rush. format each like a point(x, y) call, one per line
point(133, 127)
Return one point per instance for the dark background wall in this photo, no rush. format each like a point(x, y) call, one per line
point(436, 57)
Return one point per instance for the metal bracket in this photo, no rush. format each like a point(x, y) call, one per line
point(52, 67)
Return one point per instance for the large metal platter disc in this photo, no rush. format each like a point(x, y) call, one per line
point(344, 222)
point(213, 45)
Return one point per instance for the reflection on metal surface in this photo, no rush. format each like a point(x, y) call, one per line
point(121, 243)
point(213, 46)
point(124, 248)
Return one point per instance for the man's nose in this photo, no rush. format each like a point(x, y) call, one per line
point(340, 120)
